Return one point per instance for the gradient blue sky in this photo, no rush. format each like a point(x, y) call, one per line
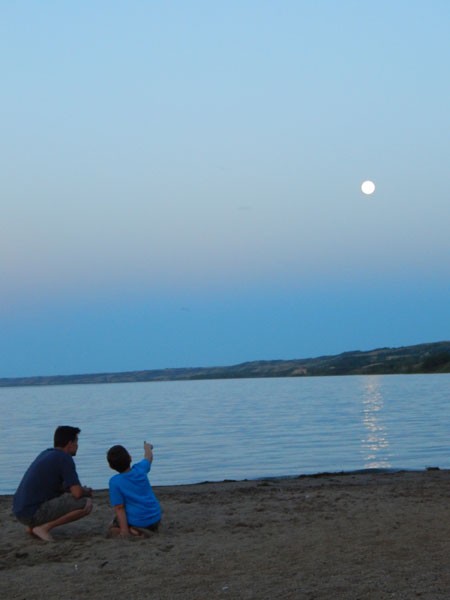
point(181, 181)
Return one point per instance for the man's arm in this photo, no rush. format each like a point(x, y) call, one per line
point(71, 480)
point(79, 491)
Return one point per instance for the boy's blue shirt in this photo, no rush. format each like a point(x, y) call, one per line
point(133, 490)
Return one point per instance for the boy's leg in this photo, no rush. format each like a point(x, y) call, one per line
point(147, 531)
point(114, 531)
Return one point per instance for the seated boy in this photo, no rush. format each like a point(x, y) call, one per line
point(135, 505)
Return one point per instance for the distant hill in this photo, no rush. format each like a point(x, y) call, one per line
point(422, 358)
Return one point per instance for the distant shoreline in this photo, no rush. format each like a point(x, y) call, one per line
point(427, 358)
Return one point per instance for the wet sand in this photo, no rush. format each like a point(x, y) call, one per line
point(346, 536)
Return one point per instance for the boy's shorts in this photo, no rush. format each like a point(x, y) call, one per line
point(53, 509)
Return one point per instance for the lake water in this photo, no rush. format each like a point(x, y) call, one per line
point(235, 429)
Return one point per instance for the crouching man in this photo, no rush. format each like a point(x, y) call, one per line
point(50, 493)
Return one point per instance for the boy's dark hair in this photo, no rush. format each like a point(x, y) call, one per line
point(65, 434)
point(118, 458)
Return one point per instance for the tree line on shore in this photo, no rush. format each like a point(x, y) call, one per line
point(421, 358)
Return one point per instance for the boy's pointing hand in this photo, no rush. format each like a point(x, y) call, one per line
point(148, 451)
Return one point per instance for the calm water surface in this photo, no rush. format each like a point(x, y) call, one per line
point(235, 429)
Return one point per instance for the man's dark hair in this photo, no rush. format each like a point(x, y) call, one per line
point(118, 458)
point(65, 434)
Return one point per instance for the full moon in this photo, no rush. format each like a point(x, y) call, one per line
point(368, 187)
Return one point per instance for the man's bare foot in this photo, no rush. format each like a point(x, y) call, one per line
point(134, 531)
point(42, 534)
point(30, 532)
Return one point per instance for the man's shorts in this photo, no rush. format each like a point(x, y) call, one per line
point(53, 509)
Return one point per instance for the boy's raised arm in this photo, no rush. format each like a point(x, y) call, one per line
point(148, 451)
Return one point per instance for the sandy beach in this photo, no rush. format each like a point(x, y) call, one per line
point(349, 536)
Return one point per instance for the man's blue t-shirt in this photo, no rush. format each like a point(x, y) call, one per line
point(133, 490)
point(49, 475)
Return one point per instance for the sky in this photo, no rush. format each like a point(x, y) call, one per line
point(181, 181)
